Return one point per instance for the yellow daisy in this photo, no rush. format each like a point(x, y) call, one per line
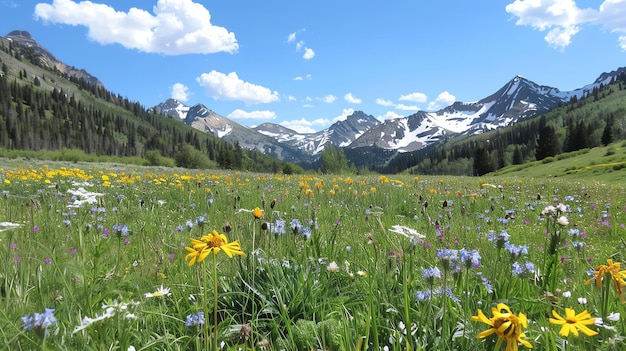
point(574, 322)
point(506, 325)
point(615, 272)
point(257, 213)
point(212, 242)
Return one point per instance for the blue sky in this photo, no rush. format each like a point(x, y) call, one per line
point(306, 64)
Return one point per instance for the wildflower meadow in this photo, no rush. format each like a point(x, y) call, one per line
point(99, 257)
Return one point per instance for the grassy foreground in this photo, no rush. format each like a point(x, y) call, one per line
point(94, 258)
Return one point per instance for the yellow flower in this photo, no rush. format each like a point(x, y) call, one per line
point(614, 271)
point(506, 325)
point(212, 242)
point(574, 322)
point(257, 213)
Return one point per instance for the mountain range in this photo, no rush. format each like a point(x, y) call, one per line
point(519, 99)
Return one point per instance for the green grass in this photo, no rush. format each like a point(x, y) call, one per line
point(351, 276)
point(603, 164)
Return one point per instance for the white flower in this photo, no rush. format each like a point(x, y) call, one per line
point(613, 316)
point(582, 300)
point(561, 208)
point(159, 292)
point(562, 221)
point(333, 267)
point(548, 210)
point(86, 321)
point(567, 294)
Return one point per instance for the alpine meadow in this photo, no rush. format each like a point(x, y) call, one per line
point(125, 229)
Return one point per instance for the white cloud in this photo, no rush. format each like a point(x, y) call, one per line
point(561, 37)
point(344, 115)
point(329, 99)
point(563, 18)
point(291, 38)
point(383, 102)
point(308, 54)
point(180, 92)
point(300, 45)
point(414, 97)
point(177, 27)
point(404, 107)
point(229, 87)
point(241, 114)
point(307, 77)
point(351, 99)
point(389, 115)
point(305, 126)
point(443, 100)
point(291, 98)
point(622, 42)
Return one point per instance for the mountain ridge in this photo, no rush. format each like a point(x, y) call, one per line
point(517, 100)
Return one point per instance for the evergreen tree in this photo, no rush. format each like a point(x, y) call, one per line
point(546, 143)
point(482, 163)
point(334, 160)
point(607, 134)
point(518, 157)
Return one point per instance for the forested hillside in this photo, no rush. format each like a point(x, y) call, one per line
point(42, 110)
point(597, 119)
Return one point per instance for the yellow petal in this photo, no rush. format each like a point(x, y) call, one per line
point(587, 331)
point(486, 333)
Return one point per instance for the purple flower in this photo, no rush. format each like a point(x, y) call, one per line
point(47, 261)
point(279, 227)
point(447, 254)
point(423, 295)
point(39, 321)
point(471, 258)
point(12, 245)
point(121, 229)
point(171, 256)
point(195, 319)
point(36, 228)
point(431, 273)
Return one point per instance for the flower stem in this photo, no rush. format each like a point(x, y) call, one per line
point(204, 307)
point(214, 302)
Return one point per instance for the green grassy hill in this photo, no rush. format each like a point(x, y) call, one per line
point(606, 164)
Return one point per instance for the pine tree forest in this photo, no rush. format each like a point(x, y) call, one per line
point(98, 122)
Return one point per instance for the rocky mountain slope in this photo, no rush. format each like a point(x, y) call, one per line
point(46, 59)
point(518, 100)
